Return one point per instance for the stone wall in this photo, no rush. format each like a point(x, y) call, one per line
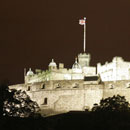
point(114, 88)
point(63, 96)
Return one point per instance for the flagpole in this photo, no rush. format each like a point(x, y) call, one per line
point(85, 35)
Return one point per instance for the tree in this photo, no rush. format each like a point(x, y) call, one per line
point(19, 104)
point(3, 94)
point(115, 103)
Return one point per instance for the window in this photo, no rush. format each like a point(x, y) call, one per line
point(28, 88)
point(45, 101)
point(43, 86)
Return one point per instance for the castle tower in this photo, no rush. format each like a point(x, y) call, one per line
point(84, 59)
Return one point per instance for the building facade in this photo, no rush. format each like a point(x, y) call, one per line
point(79, 69)
point(118, 69)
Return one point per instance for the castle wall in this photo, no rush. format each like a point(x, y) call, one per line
point(121, 87)
point(66, 100)
point(63, 96)
point(93, 95)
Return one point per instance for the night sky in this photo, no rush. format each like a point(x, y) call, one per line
point(32, 32)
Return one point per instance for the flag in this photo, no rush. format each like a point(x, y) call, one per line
point(82, 21)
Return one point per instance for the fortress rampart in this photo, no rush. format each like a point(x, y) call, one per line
point(73, 95)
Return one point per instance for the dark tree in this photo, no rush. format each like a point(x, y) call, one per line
point(115, 103)
point(4, 94)
point(19, 104)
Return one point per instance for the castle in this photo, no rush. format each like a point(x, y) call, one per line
point(79, 70)
point(59, 89)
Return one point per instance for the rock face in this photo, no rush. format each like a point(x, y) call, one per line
point(73, 95)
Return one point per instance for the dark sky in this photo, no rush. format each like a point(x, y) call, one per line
point(32, 32)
